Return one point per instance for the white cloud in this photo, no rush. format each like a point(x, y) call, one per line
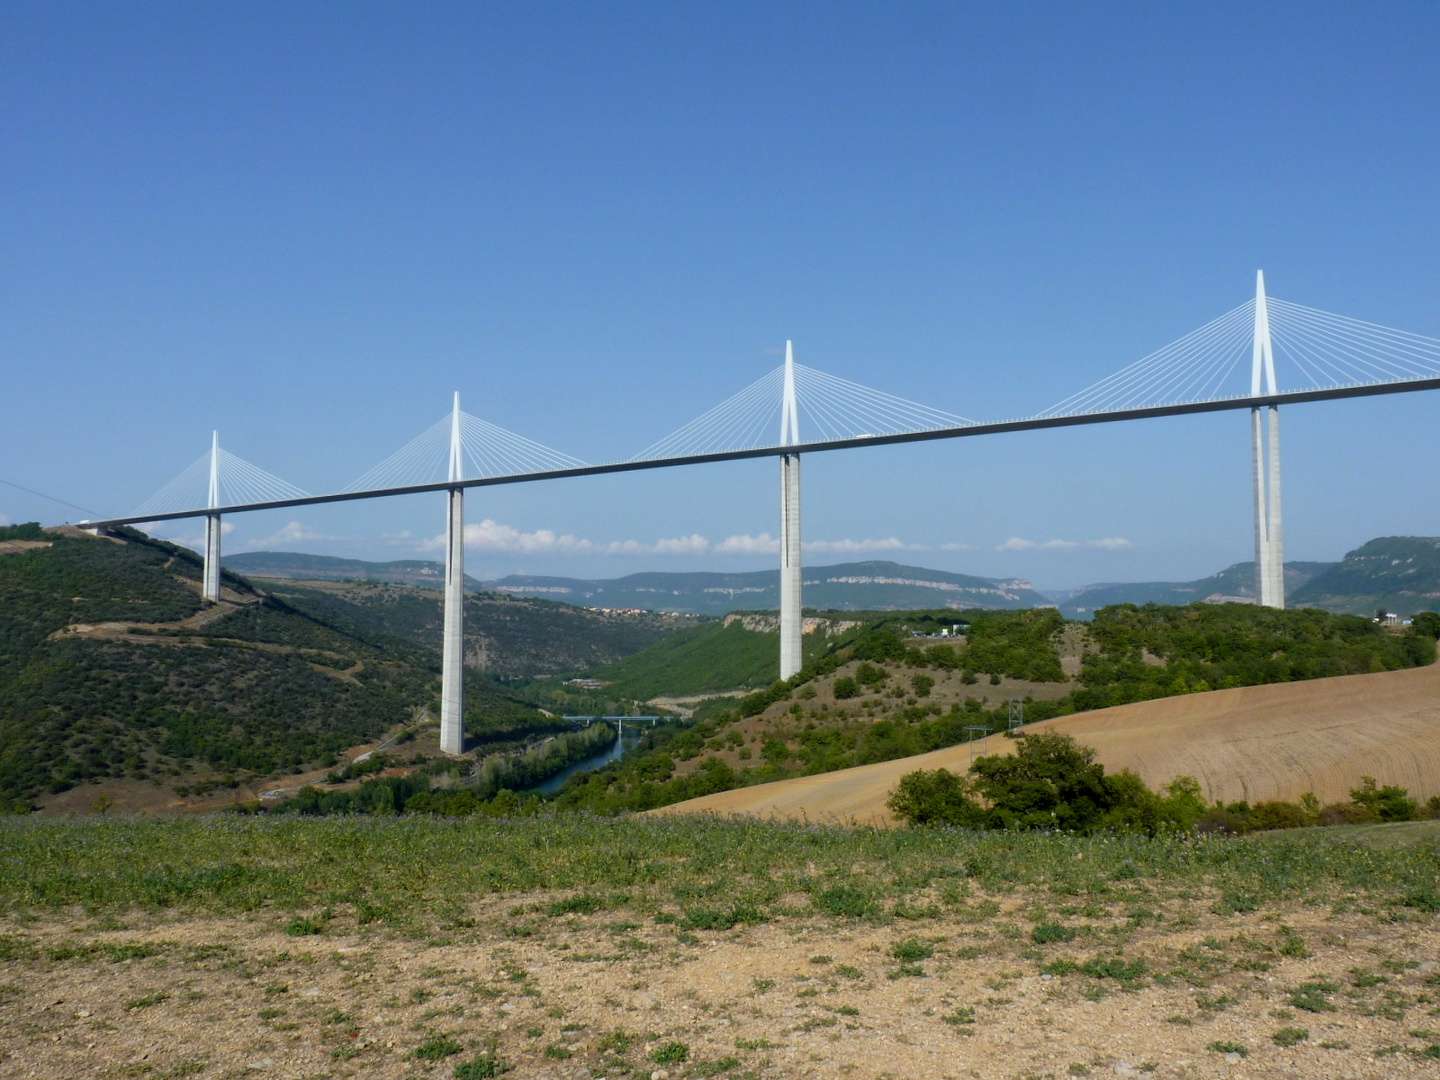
point(1019, 543)
point(492, 536)
point(4, 520)
point(955, 547)
point(292, 533)
point(855, 547)
point(764, 544)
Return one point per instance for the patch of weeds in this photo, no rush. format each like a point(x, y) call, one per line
point(580, 904)
point(420, 995)
point(303, 927)
point(846, 902)
point(1223, 1047)
point(1363, 978)
point(1335, 1044)
point(1182, 1021)
point(908, 971)
point(270, 1014)
point(534, 1032)
point(1313, 996)
point(1059, 967)
point(1292, 944)
point(754, 1044)
point(480, 1068)
point(1216, 1004)
point(961, 1017)
point(276, 989)
point(618, 1042)
point(1289, 1036)
point(713, 1068)
point(1127, 973)
point(848, 1010)
point(1425, 897)
point(821, 959)
point(1078, 1068)
point(1046, 933)
point(670, 1053)
point(764, 985)
point(912, 949)
point(1236, 903)
point(557, 1052)
point(846, 971)
point(145, 1002)
point(437, 1047)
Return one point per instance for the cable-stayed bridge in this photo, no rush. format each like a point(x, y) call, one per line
point(796, 409)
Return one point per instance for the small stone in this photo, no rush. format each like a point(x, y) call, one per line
point(1232, 1059)
point(1124, 1068)
point(83, 1013)
point(660, 1074)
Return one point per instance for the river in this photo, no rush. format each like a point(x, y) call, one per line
point(624, 740)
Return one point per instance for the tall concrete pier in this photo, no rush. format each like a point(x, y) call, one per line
point(1269, 527)
point(790, 576)
point(452, 677)
point(210, 576)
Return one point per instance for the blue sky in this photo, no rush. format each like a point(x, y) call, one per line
point(307, 225)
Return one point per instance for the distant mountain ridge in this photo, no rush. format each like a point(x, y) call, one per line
point(864, 586)
point(1234, 583)
point(298, 567)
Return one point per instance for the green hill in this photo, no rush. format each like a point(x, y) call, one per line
point(1398, 573)
point(1234, 583)
point(507, 637)
point(301, 567)
point(111, 667)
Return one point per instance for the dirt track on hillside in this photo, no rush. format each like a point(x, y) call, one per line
point(1256, 743)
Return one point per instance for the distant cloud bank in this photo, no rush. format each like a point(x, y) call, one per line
point(1019, 543)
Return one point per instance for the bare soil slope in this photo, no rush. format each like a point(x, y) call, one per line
point(1257, 742)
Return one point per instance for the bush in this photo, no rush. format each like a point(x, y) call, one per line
point(935, 798)
point(670, 1053)
point(846, 688)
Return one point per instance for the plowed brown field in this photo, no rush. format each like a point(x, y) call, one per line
point(1258, 742)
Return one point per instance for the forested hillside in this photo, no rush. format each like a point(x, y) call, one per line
point(1397, 573)
point(506, 636)
point(111, 667)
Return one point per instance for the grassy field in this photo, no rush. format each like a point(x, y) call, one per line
point(572, 946)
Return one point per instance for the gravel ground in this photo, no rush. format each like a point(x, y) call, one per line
point(520, 984)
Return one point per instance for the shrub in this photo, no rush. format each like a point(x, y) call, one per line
point(1388, 803)
point(935, 798)
point(912, 949)
point(846, 688)
point(922, 684)
point(1290, 1036)
point(1222, 1047)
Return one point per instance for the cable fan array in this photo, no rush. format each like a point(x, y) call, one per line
point(239, 483)
point(1313, 350)
point(830, 409)
point(488, 451)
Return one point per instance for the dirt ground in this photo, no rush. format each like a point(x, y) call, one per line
point(606, 994)
point(1255, 743)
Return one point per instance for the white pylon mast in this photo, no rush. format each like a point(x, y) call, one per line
point(452, 676)
point(1269, 527)
point(210, 575)
point(791, 627)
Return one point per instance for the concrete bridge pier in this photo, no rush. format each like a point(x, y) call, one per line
point(1269, 527)
point(452, 677)
point(210, 575)
point(791, 625)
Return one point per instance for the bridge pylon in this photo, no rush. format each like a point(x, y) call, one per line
point(452, 677)
point(1269, 527)
point(210, 575)
point(791, 624)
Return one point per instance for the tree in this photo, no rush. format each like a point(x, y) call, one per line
point(1050, 782)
